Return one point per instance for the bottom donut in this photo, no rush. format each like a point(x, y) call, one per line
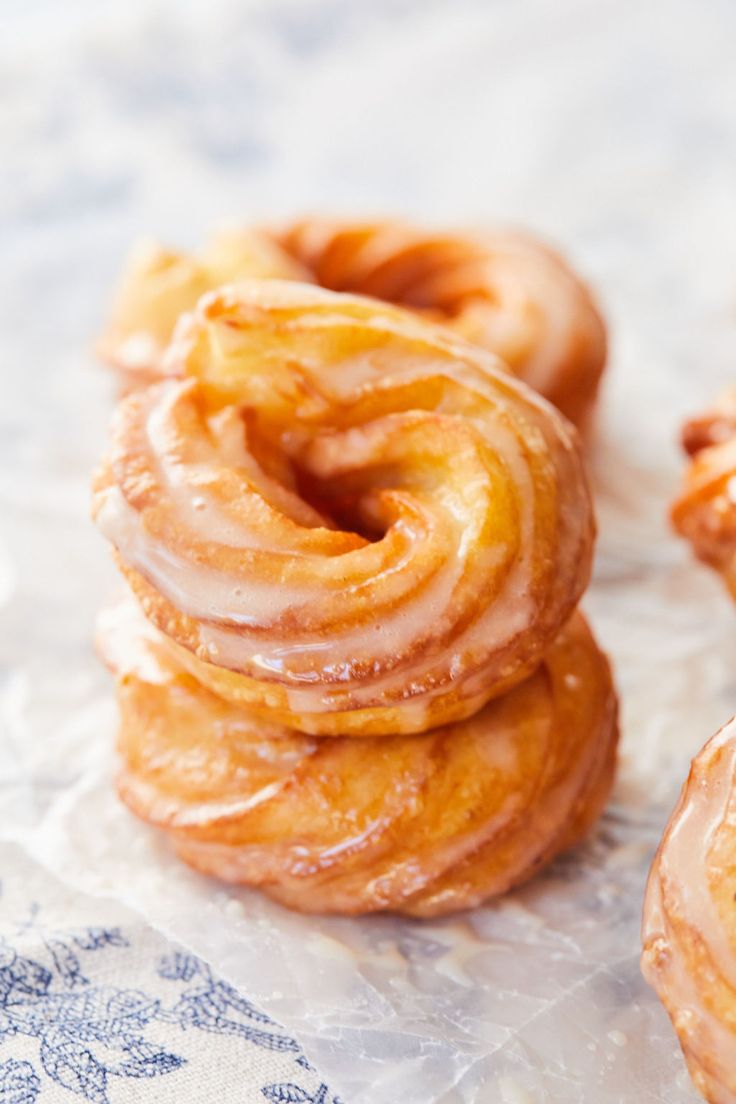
point(420, 824)
point(689, 925)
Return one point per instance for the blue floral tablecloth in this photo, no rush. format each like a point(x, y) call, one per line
point(95, 1005)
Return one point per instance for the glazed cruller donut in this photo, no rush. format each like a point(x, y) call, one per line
point(689, 929)
point(342, 516)
point(705, 510)
point(341, 521)
point(503, 290)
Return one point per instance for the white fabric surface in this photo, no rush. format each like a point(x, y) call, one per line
point(96, 1005)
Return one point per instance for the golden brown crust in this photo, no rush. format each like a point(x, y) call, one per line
point(158, 285)
point(505, 291)
point(705, 510)
point(346, 516)
point(423, 824)
point(689, 926)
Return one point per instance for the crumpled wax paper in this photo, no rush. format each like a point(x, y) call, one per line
point(610, 126)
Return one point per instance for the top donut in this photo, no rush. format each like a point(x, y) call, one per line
point(342, 515)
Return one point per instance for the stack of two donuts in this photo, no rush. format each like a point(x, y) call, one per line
point(353, 673)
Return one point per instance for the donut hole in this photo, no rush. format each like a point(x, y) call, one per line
point(343, 509)
point(339, 505)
